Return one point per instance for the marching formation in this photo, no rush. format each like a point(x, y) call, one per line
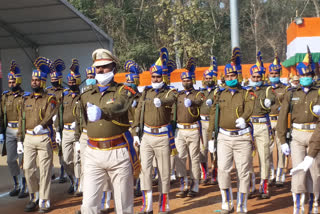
point(109, 136)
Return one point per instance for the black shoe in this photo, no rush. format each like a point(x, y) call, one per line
point(265, 195)
point(62, 180)
point(71, 190)
point(78, 194)
point(205, 182)
point(104, 211)
point(14, 192)
point(53, 176)
point(141, 212)
point(31, 206)
point(192, 194)
point(279, 184)
point(22, 194)
point(181, 194)
point(225, 212)
point(78, 212)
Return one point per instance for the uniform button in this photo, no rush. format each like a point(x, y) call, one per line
point(306, 112)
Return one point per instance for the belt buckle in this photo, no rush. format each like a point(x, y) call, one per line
point(187, 126)
point(234, 133)
point(104, 145)
point(154, 130)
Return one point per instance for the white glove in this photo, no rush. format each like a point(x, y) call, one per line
point(38, 129)
point(134, 104)
point(241, 123)
point(316, 109)
point(54, 118)
point(1, 138)
point(211, 146)
point(209, 102)
point(304, 165)
point(187, 102)
point(267, 103)
point(77, 146)
point(157, 102)
point(136, 141)
point(58, 138)
point(285, 149)
point(20, 148)
point(93, 112)
point(73, 125)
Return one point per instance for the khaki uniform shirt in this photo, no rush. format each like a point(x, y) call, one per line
point(81, 118)
point(260, 95)
point(69, 106)
point(232, 107)
point(208, 94)
point(11, 103)
point(191, 114)
point(114, 104)
point(278, 92)
point(38, 111)
point(154, 116)
point(58, 93)
point(302, 104)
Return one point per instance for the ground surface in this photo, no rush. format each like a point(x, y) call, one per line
point(208, 200)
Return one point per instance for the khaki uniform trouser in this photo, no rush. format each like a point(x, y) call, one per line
point(309, 181)
point(188, 142)
point(239, 149)
point(262, 142)
point(101, 165)
point(158, 146)
point(204, 144)
point(71, 159)
point(83, 145)
point(38, 145)
point(12, 156)
point(280, 155)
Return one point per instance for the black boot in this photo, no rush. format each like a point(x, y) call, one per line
point(31, 206)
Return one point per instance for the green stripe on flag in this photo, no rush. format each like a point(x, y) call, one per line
point(292, 61)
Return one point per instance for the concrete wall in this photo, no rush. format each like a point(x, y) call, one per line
point(82, 52)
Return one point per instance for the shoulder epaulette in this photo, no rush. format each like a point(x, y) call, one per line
point(5, 92)
point(49, 87)
point(26, 94)
point(86, 88)
point(66, 92)
point(51, 94)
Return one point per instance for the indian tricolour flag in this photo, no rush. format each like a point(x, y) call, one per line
point(301, 36)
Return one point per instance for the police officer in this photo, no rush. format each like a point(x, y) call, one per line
point(57, 90)
point(233, 107)
point(35, 130)
point(110, 152)
point(278, 89)
point(71, 159)
point(153, 116)
point(301, 109)
point(261, 122)
point(187, 137)
point(9, 115)
point(209, 91)
point(81, 124)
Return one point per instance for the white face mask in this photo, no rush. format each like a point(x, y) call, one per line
point(104, 79)
point(157, 85)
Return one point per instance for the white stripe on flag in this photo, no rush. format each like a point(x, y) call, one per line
point(299, 45)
